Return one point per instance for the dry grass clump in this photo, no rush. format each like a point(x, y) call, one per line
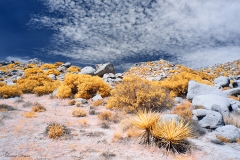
point(106, 115)
point(38, 107)
point(235, 98)
point(134, 132)
point(117, 136)
point(135, 93)
point(172, 134)
point(232, 119)
point(55, 130)
point(224, 139)
point(82, 122)
point(27, 104)
point(29, 114)
point(98, 102)
point(145, 121)
point(5, 108)
point(238, 141)
point(74, 69)
point(78, 104)
point(71, 102)
point(1, 79)
point(79, 112)
point(184, 110)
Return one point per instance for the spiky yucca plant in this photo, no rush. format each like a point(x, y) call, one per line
point(145, 120)
point(172, 134)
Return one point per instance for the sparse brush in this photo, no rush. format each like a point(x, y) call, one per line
point(55, 130)
point(232, 119)
point(79, 112)
point(19, 100)
point(106, 115)
point(29, 114)
point(5, 107)
point(134, 132)
point(172, 134)
point(98, 102)
point(224, 139)
point(145, 120)
point(82, 122)
point(237, 98)
point(38, 108)
point(238, 140)
point(27, 104)
point(105, 124)
point(71, 102)
point(184, 110)
point(117, 136)
point(125, 124)
point(78, 104)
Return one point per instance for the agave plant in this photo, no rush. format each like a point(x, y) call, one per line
point(145, 120)
point(172, 134)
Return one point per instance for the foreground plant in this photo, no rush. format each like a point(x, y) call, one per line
point(55, 130)
point(172, 134)
point(145, 120)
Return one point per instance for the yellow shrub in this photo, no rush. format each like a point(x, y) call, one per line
point(56, 130)
point(48, 66)
point(3, 69)
point(82, 86)
point(2, 84)
point(135, 93)
point(38, 84)
point(9, 91)
point(79, 112)
point(178, 83)
point(10, 66)
point(74, 69)
point(48, 87)
point(52, 71)
point(31, 65)
point(32, 71)
point(57, 64)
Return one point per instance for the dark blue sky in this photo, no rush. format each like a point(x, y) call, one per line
point(193, 33)
point(17, 39)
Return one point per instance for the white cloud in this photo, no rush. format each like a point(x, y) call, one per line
point(17, 59)
point(97, 31)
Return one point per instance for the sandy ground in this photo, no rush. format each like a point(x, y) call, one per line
point(24, 138)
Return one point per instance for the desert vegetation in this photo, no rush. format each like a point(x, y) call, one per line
point(86, 109)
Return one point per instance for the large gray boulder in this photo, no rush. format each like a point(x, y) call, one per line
point(87, 70)
point(209, 100)
point(195, 89)
point(221, 81)
point(228, 132)
point(207, 118)
point(101, 69)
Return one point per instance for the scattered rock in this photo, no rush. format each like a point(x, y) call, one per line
point(221, 81)
point(207, 118)
point(232, 92)
point(97, 97)
point(87, 70)
point(228, 132)
point(82, 100)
